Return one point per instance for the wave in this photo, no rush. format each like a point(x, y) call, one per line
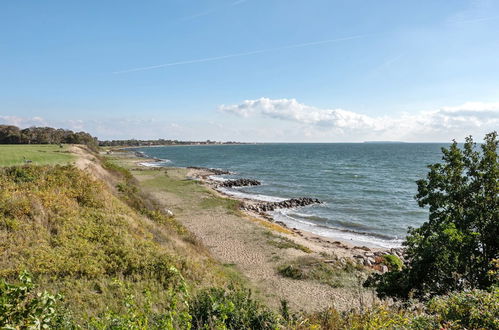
point(217, 178)
point(259, 197)
point(321, 226)
point(159, 163)
point(352, 236)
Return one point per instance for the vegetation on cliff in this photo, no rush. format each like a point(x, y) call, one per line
point(457, 248)
point(81, 253)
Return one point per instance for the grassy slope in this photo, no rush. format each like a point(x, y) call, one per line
point(194, 203)
point(39, 154)
point(105, 253)
point(78, 238)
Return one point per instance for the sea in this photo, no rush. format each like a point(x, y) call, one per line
point(367, 189)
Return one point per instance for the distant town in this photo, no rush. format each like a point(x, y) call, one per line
point(159, 142)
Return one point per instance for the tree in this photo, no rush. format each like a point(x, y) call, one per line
point(458, 247)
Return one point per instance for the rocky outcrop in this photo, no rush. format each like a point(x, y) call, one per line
point(287, 204)
point(375, 260)
point(239, 183)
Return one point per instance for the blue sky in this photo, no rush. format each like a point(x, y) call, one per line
point(254, 70)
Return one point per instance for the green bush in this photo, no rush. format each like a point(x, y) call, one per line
point(291, 271)
point(23, 308)
point(393, 262)
point(467, 310)
point(230, 309)
point(334, 274)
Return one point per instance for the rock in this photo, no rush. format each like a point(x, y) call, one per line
point(329, 261)
point(239, 183)
point(367, 262)
point(384, 269)
point(289, 203)
point(168, 212)
point(371, 260)
point(369, 254)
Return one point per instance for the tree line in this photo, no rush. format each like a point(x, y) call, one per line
point(10, 134)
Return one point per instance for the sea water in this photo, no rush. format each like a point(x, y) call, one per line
point(368, 189)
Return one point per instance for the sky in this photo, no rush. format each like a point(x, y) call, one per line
point(253, 70)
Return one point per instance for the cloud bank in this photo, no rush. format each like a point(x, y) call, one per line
point(475, 118)
point(287, 120)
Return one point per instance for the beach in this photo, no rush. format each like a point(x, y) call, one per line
point(256, 246)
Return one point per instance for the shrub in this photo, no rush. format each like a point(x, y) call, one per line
point(23, 308)
point(291, 271)
point(393, 262)
point(335, 274)
point(467, 310)
point(230, 309)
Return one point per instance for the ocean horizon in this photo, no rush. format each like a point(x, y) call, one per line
point(367, 189)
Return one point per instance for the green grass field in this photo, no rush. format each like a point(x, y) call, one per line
point(15, 154)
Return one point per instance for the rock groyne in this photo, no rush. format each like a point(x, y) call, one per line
point(286, 204)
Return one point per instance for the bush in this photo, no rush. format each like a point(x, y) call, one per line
point(467, 310)
point(230, 309)
point(23, 308)
point(334, 274)
point(393, 262)
point(291, 272)
point(456, 248)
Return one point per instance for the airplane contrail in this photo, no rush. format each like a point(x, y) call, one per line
point(254, 52)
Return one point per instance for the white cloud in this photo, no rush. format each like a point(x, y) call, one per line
point(442, 124)
point(287, 120)
point(21, 121)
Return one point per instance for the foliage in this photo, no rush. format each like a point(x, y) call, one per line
point(456, 248)
point(137, 315)
point(291, 271)
point(22, 307)
point(111, 166)
point(44, 135)
point(378, 317)
point(230, 309)
point(138, 200)
point(283, 242)
point(393, 262)
point(467, 310)
point(76, 237)
point(333, 274)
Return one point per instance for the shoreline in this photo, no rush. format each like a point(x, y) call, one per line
point(207, 175)
point(258, 248)
point(204, 176)
point(361, 252)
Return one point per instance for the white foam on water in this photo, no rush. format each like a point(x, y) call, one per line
point(345, 236)
point(258, 197)
point(159, 163)
point(217, 178)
